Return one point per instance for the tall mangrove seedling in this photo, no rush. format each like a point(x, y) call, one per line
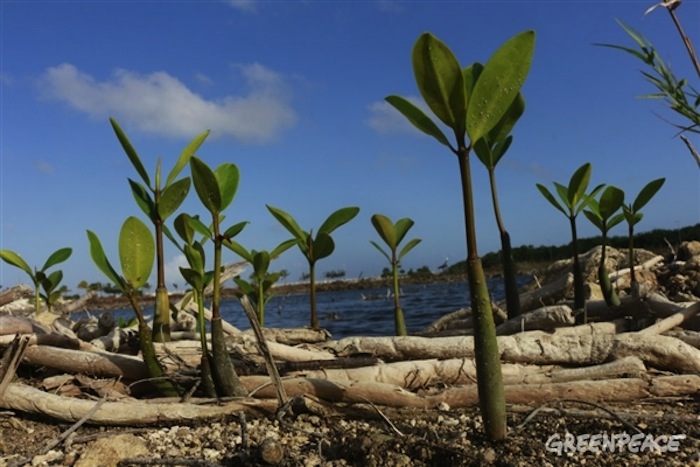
point(573, 200)
point(158, 203)
point(259, 289)
point(633, 215)
point(315, 248)
point(471, 102)
point(136, 253)
point(49, 283)
point(490, 150)
point(216, 190)
point(604, 214)
point(393, 234)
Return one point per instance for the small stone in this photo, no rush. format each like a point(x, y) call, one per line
point(271, 452)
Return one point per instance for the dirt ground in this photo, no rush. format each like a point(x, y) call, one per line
point(375, 436)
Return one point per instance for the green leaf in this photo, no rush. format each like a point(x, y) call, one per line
point(200, 227)
point(52, 281)
point(261, 262)
point(184, 228)
point(471, 75)
point(100, 259)
point(595, 219)
point(282, 247)
point(440, 81)
point(143, 199)
point(16, 260)
point(57, 257)
point(206, 185)
point(136, 252)
point(235, 229)
point(239, 250)
point(195, 256)
point(130, 152)
point(338, 218)
point(408, 247)
point(549, 197)
point(385, 228)
point(193, 277)
point(288, 223)
point(401, 228)
point(323, 246)
point(172, 197)
point(186, 155)
point(615, 220)
point(647, 193)
point(227, 176)
point(381, 250)
point(578, 184)
point(418, 118)
point(611, 200)
point(507, 122)
point(499, 84)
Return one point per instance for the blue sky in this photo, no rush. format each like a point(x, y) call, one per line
point(293, 94)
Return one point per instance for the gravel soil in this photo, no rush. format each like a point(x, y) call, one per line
point(311, 435)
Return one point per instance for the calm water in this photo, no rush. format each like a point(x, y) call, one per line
point(344, 313)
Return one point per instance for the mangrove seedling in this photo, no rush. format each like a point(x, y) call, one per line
point(41, 279)
point(136, 255)
point(573, 200)
point(490, 149)
point(604, 214)
point(471, 102)
point(633, 215)
point(158, 202)
point(216, 190)
point(393, 235)
point(315, 248)
point(258, 290)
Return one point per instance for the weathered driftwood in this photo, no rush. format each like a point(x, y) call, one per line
point(15, 293)
point(11, 325)
point(549, 317)
point(672, 321)
point(548, 294)
point(418, 374)
point(582, 345)
point(689, 337)
point(294, 336)
point(135, 413)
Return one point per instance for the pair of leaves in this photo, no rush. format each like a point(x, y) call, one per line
point(632, 211)
point(393, 235)
point(475, 99)
point(602, 212)
point(260, 260)
point(216, 189)
point(14, 259)
point(322, 245)
point(136, 255)
point(573, 197)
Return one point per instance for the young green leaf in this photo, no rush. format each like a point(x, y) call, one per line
point(186, 155)
point(385, 229)
point(647, 193)
point(499, 84)
point(100, 259)
point(381, 250)
point(143, 198)
point(16, 260)
point(440, 81)
point(227, 176)
point(408, 247)
point(338, 218)
point(206, 185)
point(57, 257)
point(323, 245)
point(418, 118)
point(130, 152)
point(288, 222)
point(172, 197)
point(136, 252)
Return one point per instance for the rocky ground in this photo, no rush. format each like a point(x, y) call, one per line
point(367, 436)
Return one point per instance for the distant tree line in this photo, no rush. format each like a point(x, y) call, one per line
point(656, 240)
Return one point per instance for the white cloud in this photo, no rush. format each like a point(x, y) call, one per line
point(243, 5)
point(386, 119)
point(161, 104)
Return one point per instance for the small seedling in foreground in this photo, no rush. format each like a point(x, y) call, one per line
point(604, 215)
point(315, 248)
point(136, 255)
point(573, 200)
point(49, 283)
point(393, 234)
point(633, 215)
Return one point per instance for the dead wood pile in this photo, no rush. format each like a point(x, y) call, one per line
point(648, 347)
